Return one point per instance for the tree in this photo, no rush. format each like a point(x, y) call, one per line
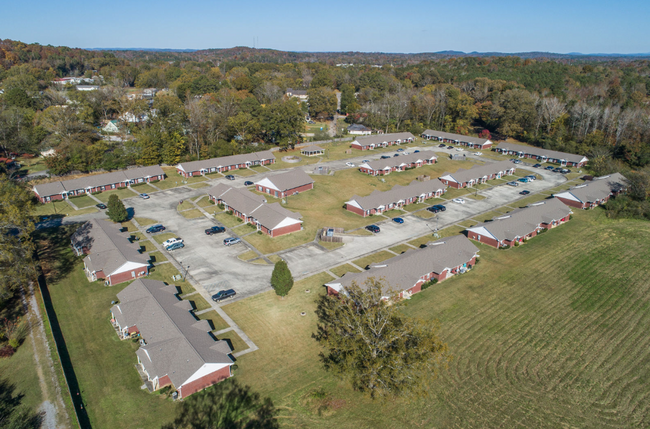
point(322, 102)
point(370, 343)
point(116, 210)
point(281, 279)
point(12, 415)
point(226, 405)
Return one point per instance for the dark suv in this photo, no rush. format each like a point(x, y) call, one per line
point(223, 294)
point(373, 228)
point(437, 208)
point(215, 230)
point(155, 228)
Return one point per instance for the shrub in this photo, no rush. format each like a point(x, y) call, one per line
point(220, 205)
point(429, 283)
point(6, 351)
point(116, 210)
point(516, 244)
point(13, 343)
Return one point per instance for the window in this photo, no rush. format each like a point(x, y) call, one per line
point(133, 274)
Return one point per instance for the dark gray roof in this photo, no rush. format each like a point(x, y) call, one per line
point(521, 222)
point(403, 271)
point(597, 189)
point(289, 180)
point(398, 193)
point(109, 248)
point(250, 204)
point(97, 180)
point(480, 171)
point(456, 137)
point(358, 127)
point(178, 344)
point(396, 161)
point(538, 151)
point(312, 148)
point(384, 138)
point(226, 161)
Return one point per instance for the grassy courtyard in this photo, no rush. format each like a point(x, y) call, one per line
point(549, 334)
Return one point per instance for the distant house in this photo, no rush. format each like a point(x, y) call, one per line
point(381, 140)
point(593, 193)
point(176, 348)
point(542, 155)
point(471, 142)
point(133, 118)
point(520, 224)
point(87, 87)
point(312, 151)
point(290, 183)
point(61, 190)
point(382, 167)
point(406, 273)
point(399, 196)
point(271, 219)
point(111, 127)
point(359, 130)
point(300, 94)
point(111, 255)
point(478, 174)
point(224, 163)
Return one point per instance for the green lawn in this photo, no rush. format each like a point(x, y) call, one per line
point(143, 221)
point(204, 201)
point(20, 370)
point(174, 179)
point(274, 258)
point(192, 214)
point(198, 185)
point(103, 365)
point(330, 246)
point(342, 269)
point(143, 188)
point(60, 208)
point(227, 220)
point(401, 248)
point(236, 343)
point(165, 272)
point(549, 334)
point(157, 257)
point(244, 229)
point(187, 205)
point(122, 193)
point(373, 259)
point(217, 321)
point(148, 246)
point(199, 302)
point(417, 206)
point(245, 172)
point(83, 201)
point(247, 256)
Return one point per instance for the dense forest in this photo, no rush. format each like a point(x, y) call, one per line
point(220, 102)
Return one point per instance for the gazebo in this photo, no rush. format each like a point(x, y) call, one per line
point(312, 151)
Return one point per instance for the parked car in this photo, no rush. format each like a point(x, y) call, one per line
point(460, 149)
point(144, 196)
point(478, 153)
point(442, 145)
point(537, 165)
point(557, 170)
point(550, 167)
point(416, 151)
point(517, 161)
point(525, 192)
point(398, 220)
point(155, 228)
point(400, 150)
point(437, 208)
point(459, 201)
point(397, 154)
point(366, 160)
point(230, 177)
point(101, 206)
point(450, 147)
point(385, 157)
point(223, 294)
point(248, 183)
point(565, 171)
point(175, 246)
point(531, 177)
point(171, 241)
point(215, 230)
point(513, 183)
point(231, 240)
point(523, 180)
point(349, 164)
point(373, 228)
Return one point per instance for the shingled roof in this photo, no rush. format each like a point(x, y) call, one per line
point(597, 189)
point(397, 193)
point(397, 161)
point(383, 138)
point(521, 222)
point(479, 171)
point(284, 181)
point(403, 271)
point(455, 137)
point(226, 161)
point(538, 151)
point(109, 248)
point(177, 344)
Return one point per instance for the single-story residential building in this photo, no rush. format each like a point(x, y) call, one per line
point(520, 224)
point(63, 189)
point(406, 273)
point(312, 150)
point(225, 163)
point(111, 127)
point(290, 183)
point(272, 219)
point(471, 142)
point(111, 255)
point(381, 167)
point(176, 348)
point(378, 202)
point(381, 140)
point(595, 192)
point(542, 155)
point(478, 174)
point(300, 94)
point(359, 130)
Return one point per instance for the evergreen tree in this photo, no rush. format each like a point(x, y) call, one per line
point(116, 210)
point(281, 279)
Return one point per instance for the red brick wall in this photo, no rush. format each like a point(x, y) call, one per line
point(331, 291)
point(203, 382)
point(299, 189)
point(285, 230)
point(572, 203)
point(485, 240)
point(126, 276)
point(356, 210)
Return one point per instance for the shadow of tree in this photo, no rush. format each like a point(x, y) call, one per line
point(12, 415)
point(227, 405)
point(56, 258)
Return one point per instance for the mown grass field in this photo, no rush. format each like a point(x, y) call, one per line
point(549, 334)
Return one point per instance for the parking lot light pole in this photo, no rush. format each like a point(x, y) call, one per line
point(185, 275)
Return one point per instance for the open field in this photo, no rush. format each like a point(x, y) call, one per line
point(216, 321)
point(60, 208)
point(342, 269)
point(83, 201)
point(122, 193)
point(548, 334)
point(191, 214)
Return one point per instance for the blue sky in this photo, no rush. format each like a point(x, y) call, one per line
point(587, 26)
